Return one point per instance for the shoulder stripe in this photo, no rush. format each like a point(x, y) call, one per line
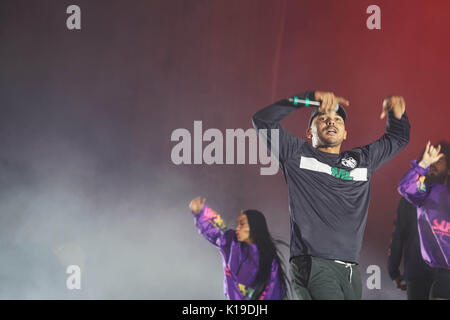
point(312, 164)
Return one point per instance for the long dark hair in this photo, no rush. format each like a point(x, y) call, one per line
point(268, 251)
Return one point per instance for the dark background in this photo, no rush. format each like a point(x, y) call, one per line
point(86, 118)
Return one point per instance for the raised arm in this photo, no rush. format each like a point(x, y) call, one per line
point(396, 135)
point(209, 223)
point(412, 186)
point(270, 117)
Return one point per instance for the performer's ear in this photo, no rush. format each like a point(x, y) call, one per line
point(309, 133)
point(345, 135)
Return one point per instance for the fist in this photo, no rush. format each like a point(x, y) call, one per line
point(394, 103)
point(400, 283)
point(196, 205)
point(329, 101)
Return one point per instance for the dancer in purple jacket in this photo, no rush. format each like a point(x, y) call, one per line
point(252, 266)
point(426, 185)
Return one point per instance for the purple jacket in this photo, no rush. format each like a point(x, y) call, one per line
point(240, 260)
point(433, 215)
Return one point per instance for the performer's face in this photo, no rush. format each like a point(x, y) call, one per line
point(327, 130)
point(438, 171)
point(243, 229)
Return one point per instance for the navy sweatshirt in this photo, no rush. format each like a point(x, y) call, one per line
point(328, 193)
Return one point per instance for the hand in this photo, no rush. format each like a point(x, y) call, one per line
point(196, 205)
point(394, 103)
point(329, 101)
point(431, 155)
point(399, 283)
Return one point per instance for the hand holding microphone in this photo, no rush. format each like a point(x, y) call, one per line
point(325, 101)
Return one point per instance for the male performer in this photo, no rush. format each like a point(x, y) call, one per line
point(329, 190)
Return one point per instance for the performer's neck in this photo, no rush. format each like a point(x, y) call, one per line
point(330, 149)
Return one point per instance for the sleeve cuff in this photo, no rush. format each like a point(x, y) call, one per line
point(419, 170)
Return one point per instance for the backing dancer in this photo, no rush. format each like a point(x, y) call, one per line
point(417, 277)
point(426, 186)
point(253, 268)
point(329, 190)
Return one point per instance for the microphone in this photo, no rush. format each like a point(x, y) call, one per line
point(306, 102)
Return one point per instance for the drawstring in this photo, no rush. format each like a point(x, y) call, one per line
point(347, 265)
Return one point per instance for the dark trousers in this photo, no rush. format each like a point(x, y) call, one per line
point(418, 289)
point(315, 278)
point(437, 287)
point(440, 289)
